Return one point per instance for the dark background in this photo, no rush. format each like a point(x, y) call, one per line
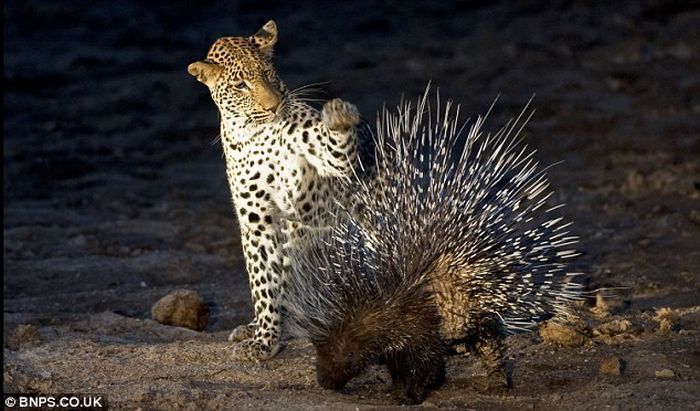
point(115, 193)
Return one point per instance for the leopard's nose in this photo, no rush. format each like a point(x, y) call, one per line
point(272, 104)
point(270, 99)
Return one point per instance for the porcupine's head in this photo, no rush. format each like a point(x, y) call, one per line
point(398, 327)
point(358, 311)
point(351, 344)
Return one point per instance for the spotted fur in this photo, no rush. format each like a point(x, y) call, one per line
point(283, 162)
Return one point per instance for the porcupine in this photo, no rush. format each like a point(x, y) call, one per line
point(454, 244)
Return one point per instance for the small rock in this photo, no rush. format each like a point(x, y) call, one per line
point(665, 373)
point(614, 327)
point(668, 319)
point(561, 334)
point(181, 308)
point(616, 331)
point(611, 366)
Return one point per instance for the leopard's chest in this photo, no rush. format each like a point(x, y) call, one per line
point(269, 169)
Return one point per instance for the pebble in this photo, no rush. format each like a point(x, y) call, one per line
point(182, 308)
point(561, 335)
point(611, 366)
point(665, 373)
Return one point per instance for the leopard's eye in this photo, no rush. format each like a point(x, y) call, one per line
point(240, 85)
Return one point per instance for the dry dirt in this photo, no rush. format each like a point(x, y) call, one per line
point(115, 194)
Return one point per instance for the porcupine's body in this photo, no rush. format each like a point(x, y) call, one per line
point(453, 244)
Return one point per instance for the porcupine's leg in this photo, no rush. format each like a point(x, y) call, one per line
point(414, 374)
point(492, 354)
point(490, 348)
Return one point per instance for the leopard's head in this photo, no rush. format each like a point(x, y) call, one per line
point(240, 75)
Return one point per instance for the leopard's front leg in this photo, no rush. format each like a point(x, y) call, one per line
point(263, 254)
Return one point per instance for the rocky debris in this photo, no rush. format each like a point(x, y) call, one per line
point(567, 335)
point(182, 308)
point(668, 319)
point(665, 373)
point(22, 336)
point(616, 331)
point(611, 366)
point(607, 303)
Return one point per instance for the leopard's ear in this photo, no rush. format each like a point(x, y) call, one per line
point(205, 72)
point(266, 37)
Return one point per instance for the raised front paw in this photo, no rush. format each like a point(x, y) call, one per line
point(339, 115)
point(242, 332)
point(253, 350)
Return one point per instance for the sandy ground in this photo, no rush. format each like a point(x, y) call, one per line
point(115, 194)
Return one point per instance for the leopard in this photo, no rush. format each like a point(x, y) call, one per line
point(286, 163)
